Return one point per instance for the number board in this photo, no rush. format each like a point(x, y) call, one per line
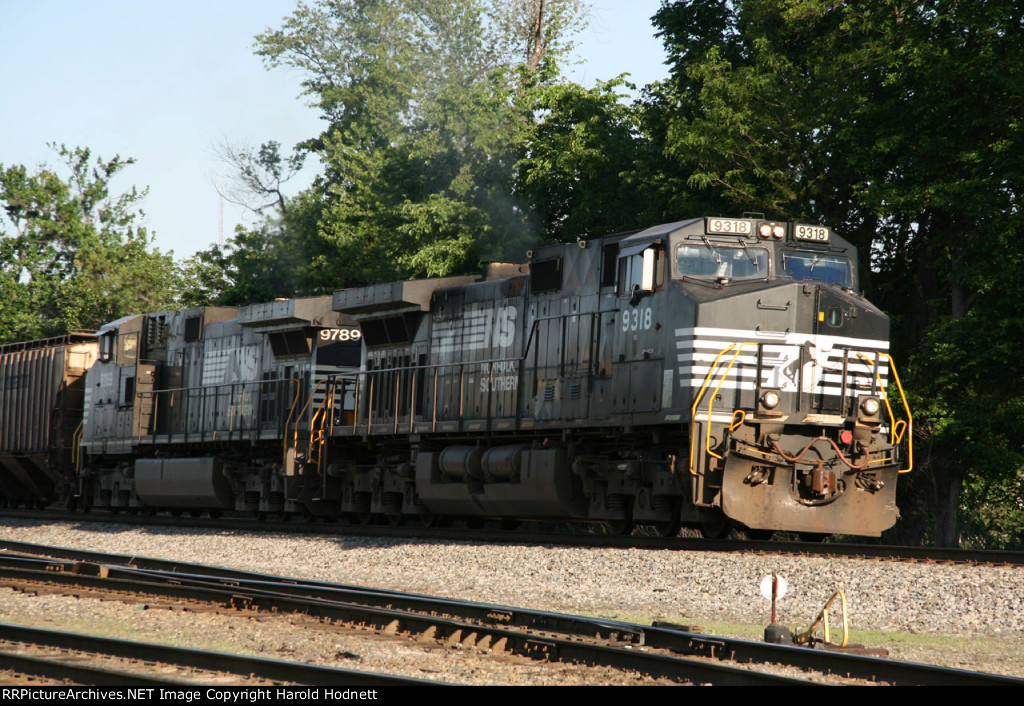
point(340, 334)
point(813, 234)
point(728, 226)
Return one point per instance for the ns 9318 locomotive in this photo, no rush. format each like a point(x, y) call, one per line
point(713, 372)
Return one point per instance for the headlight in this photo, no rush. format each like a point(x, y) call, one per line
point(770, 399)
point(869, 406)
point(772, 230)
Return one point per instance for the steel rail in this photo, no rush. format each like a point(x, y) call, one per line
point(545, 644)
point(484, 615)
point(241, 665)
point(671, 639)
point(78, 673)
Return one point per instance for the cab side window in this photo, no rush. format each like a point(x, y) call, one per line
point(641, 270)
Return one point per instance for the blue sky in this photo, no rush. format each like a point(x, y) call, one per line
point(164, 82)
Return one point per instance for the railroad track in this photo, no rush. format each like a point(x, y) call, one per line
point(664, 652)
point(89, 660)
point(572, 536)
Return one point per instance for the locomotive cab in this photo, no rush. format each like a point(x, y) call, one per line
point(785, 371)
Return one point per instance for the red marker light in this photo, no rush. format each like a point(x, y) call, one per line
point(846, 436)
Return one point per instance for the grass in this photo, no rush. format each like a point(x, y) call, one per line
point(998, 655)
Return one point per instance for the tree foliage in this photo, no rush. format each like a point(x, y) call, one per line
point(257, 175)
point(896, 121)
point(427, 109)
point(583, 162)
point(72, 254)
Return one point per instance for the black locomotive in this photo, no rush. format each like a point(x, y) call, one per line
point(710, 372)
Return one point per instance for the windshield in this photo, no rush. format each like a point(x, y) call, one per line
point(709, 260)
point(830, 269)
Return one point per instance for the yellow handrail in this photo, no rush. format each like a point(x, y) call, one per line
point(700, 397)
point(309, 400)
point(697, 401)
point(896, 432)
point(76, 448)
point(319, 419)
point(711, 402)
point(295, 401)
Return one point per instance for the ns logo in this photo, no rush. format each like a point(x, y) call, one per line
point(503, 329)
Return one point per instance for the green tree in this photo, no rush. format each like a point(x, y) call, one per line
point(72, 254)
point(425, 105)
point(257, 264)
point(535, 34)
point(584, 157)
point(897, 122)
point(257, 175)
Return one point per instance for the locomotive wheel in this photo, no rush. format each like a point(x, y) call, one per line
point(475, 523)
point(714, 529)
point(668, 528)
point(395, 519)
point(622, 527)
point(761, 535)
point(509, 525)
point(813, 537)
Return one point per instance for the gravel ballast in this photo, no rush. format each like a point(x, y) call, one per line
point(631, 584)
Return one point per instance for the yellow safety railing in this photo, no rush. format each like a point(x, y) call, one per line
point(898, 428)
point(295, 401)
point(76, 446)
point(700, 397)
point(301, 414)
point(318, 422)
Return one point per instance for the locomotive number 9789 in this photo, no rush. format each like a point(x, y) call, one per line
point(340, 334)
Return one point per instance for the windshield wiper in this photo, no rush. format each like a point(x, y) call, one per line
point(714, 253)
point(753, 260)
